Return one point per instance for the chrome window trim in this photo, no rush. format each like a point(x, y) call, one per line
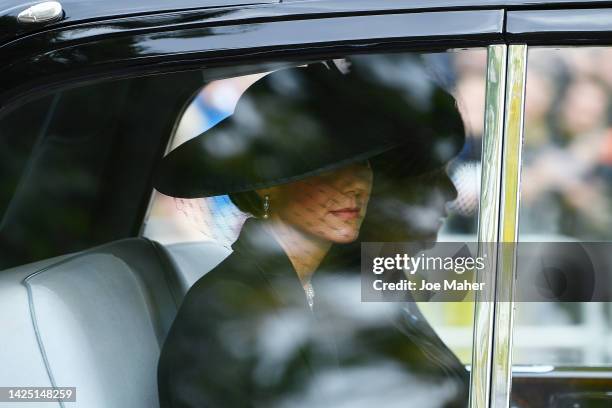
point(491, 378)
point(508, 218)
point(488, 224)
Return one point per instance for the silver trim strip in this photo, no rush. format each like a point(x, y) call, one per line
point(501, 368)
point(488, 225)
point(491, 377)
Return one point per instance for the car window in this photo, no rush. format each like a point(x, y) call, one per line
point(75, 168)
point(566, 197)
point(413, 194)
point(380, 150)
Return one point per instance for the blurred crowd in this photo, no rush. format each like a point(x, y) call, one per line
point(567, 157)
point(566, 193)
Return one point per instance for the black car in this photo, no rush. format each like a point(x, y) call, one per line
point(95, 262)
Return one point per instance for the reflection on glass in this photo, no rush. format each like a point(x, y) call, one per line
point(301, 166)
point(566, 195)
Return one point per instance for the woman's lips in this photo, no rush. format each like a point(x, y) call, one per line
point(347, 213)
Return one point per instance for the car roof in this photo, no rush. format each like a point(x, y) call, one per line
point(163, 30)
point(80, 11)
point(86, 10)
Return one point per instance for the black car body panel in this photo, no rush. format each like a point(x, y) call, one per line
point(69, 55)
point(83, 10)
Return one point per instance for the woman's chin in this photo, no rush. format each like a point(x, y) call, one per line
point(345, 237)
point(334, 235)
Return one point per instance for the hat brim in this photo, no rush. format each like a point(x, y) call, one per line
point(302, 122)
point(195, 169)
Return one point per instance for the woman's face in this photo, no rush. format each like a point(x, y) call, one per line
point(330, 206)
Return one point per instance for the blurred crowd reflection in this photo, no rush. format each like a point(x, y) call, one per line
point(566, 194)
point(462, 73)
point(568, 145)
point(175, 220)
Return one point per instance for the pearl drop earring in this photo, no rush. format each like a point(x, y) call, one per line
point(266, 207)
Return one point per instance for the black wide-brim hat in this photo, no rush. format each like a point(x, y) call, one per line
point(300, 122)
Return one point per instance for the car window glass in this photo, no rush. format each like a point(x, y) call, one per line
point(76, 164)
point(566, 197)
point(404, 130)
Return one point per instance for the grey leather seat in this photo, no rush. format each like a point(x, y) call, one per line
point(96, 320)
point(192, 260)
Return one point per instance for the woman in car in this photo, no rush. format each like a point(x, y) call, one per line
point(280, 323)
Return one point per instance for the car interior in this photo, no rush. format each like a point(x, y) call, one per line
point(113, 300)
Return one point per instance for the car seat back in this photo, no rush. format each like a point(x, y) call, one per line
point(97, 320)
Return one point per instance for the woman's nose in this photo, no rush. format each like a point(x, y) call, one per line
point(360, 178)
point(442, 185)
point(448, 188)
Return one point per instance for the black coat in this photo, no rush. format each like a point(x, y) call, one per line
point(246, 337)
